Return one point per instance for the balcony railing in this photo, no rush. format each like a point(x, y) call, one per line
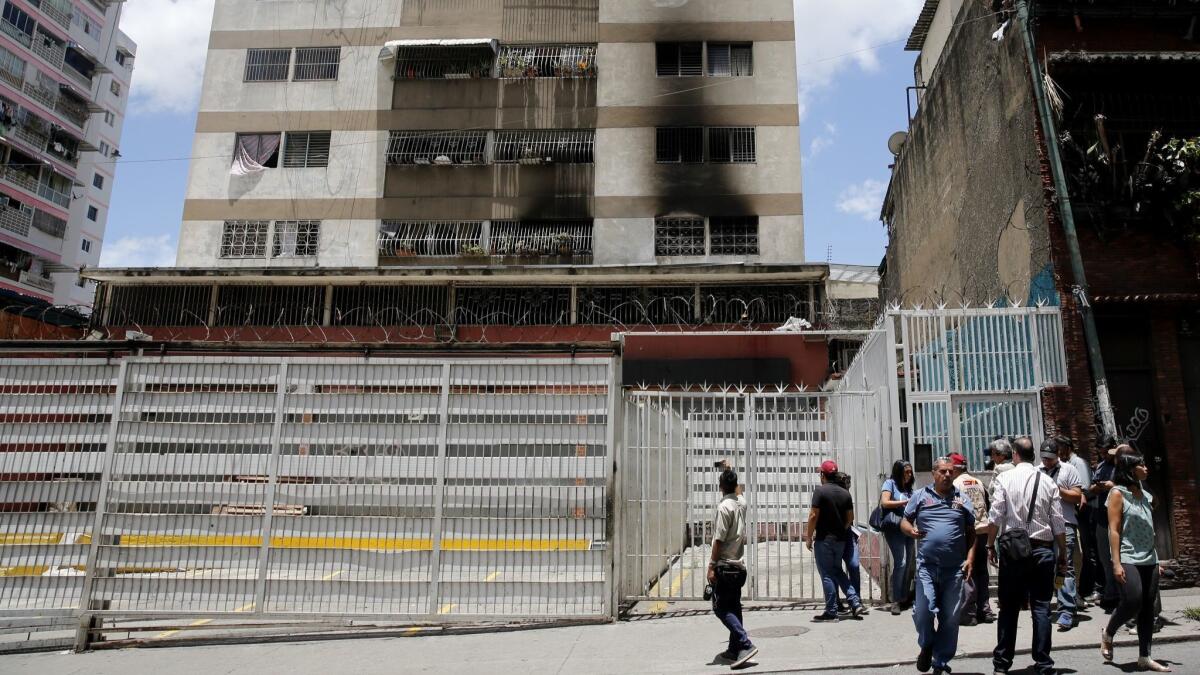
point(74, 112)
point(16, 219)
point(77, 76)
point(38, 282)
point(53, 196)
point(16, 33)
point(20, 179)
point(58, 11)
point(46, 97)
point(50, 50)
point(16, 79)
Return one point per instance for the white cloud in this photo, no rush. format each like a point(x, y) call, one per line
point(834, 36)
point(150, 251)
point(172, 40)
point(863, 199)
point(823, 141)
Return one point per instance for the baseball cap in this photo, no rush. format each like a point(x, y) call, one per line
point(957, 459)
point(829, 466)
point(1049, 449)
point(1064, 441)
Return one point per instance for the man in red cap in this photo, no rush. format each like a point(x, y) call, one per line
point(976, 606)
point(829, 521)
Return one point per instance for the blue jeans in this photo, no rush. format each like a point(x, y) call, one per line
point(1033, 580)
point(727, 605)
point(829, 554)
point(903, 550)
point(1068, 601)
point(939, 592)
point(850, 560)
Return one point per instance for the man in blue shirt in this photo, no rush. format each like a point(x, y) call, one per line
point(942, 520)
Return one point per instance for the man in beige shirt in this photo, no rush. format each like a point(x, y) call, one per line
point(727, 571)
point(976, 607)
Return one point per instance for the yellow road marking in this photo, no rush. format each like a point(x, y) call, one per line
point(24, 571)
point(659, 606)
point(359, 543)
point(12, 539)
point(447, 608)
point(338, 573)
point(414, 630)
point(201, 622)
point(492, 576)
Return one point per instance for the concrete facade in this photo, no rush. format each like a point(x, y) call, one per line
point(65, 87)
point(620, 189)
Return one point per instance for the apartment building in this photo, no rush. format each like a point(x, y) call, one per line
point(65, 69)
point(601, 157)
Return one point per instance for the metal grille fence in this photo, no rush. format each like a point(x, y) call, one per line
point(267, 65)
point(317, 63)
point(305, 488)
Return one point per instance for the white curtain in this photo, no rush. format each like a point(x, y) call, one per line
point(252, 152)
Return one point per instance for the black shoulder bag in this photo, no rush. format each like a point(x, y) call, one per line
point(1014, 544)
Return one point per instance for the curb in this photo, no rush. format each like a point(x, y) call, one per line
point(1120, 642)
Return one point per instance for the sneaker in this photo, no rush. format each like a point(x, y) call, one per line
point(1095, 598)
point(925, 659)
point(896, 609)
point(969, 621)
point(825, 617)
point(942, 670)
point(728, 655)
point(1065, 623)
point(987, 617)
point(743, 656)
point(861, 610)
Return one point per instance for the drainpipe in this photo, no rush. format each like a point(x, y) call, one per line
point(1067, 215)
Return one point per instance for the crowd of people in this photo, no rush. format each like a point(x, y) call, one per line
point(1056, 529)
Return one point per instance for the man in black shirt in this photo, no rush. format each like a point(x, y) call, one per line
point(829, 521)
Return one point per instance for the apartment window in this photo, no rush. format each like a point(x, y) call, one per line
point(257, 151)
point(565, 61)
point(119, 57)
point(317, 63)
point(731, 145)
point(437, 147)
point(110, 118)
point(93, 213)
point(545, 147)
point(19, 19)
point(104, 149)
point(12, 67)
point(430, 238)
point(114, 87)
point(244, 239)
point(679, 59)
point(295, 238)
point(679, 236)
point(306, 149)
point(679, 145)
point(85, 245)
point(98, 181)
point(734, 236)
point(730, 60)
point(267, 65)
point(437, 62)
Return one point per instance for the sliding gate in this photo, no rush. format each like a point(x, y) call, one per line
point(776, 441)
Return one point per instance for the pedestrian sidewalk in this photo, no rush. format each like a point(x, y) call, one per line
point(683, 638)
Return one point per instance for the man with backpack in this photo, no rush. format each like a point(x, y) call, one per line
point(976, 608)
point(1027, 522)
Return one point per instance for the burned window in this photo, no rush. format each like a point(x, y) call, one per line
point(430, 238)
point(436, 62)
point(545, 147)
point(734, 236)
point(564, 61)
point(295, 238)
point(267, 65)
point(437, 147)
point(317, 63)
point(541, 238)
point(679, 59)
point(244, 239)
point(679, 145)
point(541, 306)
point(678, 236)
point(731, 145)
point(306, 149)
point(730, 60)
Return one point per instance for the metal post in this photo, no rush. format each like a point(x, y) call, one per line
point(612, 504)
point(1067, 215)
point(260, 586)
point(439, 493)
point(83, 632)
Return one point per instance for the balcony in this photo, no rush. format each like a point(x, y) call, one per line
point(83, 80)
point(37, 281)
point(49, 49)
point(47, 97)
point(19, 178)
point(567, 242)
point(58, 11)
point(74, 111)
point(53, 196)
point(16, 220)
point(16, 33)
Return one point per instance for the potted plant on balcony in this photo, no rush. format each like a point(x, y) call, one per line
point(564, 243)
point(472, 251)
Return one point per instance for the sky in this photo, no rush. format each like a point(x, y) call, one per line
point(852, 77)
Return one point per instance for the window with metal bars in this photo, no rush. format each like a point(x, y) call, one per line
point(389, 305)
point(734, 235)
point(270, 305)
point(679, 59)
point(306, 149)
point(539, 238)
point(317, 63)
point(540, 306)
point(437, 147)
point(732, 145)
point(430, 238)
point(564, 61)
point(730, 60)
point(244, 239)
point(679, 145)
point(440, 62)
point(295, 238)
point(678, 236)
point(267, 65)
point(545, 147)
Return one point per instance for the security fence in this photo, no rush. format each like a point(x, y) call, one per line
point(412, 489)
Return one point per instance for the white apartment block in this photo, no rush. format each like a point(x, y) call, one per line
point(65, 70)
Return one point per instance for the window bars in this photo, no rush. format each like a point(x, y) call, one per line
point(753, 304)
point(411, 238)
point(389, 305)
point(437, 147)
point(267, 65)
point(270, 306)
point(679, 236)
point(317, 63)
point(730, 60)
point(156, 305)
point(503, 306)
point(244, 239)
point(441, 62)
point(732, 145)
point(295, 238)
point(306, 149)
point(545, 147)
point(531, 239)
point(637, 306)
point(562, 61)
point(734, 236)
point(676, 145)
point(679, 59)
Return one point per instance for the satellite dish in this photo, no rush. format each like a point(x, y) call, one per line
point(896, 142)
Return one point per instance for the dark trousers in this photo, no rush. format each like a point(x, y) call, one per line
point(1033, 580)
point(1091, 575)
point(727, 604)
point(1138, 595)
point(975, 590)
point(1104, 554)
